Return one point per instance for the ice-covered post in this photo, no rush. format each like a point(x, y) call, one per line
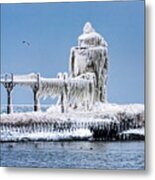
point(35, 91)
point(9, 87)
point(62, 99)
point(62, 102)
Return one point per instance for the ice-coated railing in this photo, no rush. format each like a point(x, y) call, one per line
point(68, 90)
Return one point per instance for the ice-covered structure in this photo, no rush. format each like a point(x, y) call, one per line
point(85, 88)
point(87, 80)
point(91, 56)
point(104, 122)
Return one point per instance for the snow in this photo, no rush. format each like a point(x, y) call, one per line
point(54, 136)
point(74, 90)
point(100, 111)
point(88, 28)
point(21, 79)
point(140, 131)
point(50, 87)
point(27, 80)
point(72, 125)
point(90, 37)
point(119, 108)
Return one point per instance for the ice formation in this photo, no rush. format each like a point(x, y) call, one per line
point(91, 56)
point(74, 90)
point(104, 122)
point(86, 83)
point(78, 90)
point(28, 80)
point(85, 88)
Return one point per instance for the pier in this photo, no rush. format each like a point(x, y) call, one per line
point(9, 81)
point(82, 100)
point(101, 125)
point(67, 90)
point(65, 130)
point(87, 80)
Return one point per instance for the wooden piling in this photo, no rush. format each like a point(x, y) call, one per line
point(62, 102)
point(9, 102)
point(36, 102)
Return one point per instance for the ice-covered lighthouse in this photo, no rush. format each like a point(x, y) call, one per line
point(87, 81)
point(91, 57)
point(81, 98)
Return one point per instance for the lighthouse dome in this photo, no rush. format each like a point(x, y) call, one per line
point(90, 38)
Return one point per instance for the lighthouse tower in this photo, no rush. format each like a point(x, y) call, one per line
point(91, 56)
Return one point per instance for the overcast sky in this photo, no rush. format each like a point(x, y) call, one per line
point(53, 28)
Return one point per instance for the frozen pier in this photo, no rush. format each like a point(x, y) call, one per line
point(106, 123)
point(87, 80)
point(9, 81)
point(67, 90)
point(82, 110)
point(85, 84)
point(104, 130)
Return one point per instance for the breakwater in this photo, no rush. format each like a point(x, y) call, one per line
point(98, 129)
point(106, 123)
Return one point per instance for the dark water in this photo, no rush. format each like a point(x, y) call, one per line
point(22, 108)
point(78, 154)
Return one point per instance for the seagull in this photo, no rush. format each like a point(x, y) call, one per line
point(26, 42)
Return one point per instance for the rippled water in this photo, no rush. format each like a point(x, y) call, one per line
point(78, 154)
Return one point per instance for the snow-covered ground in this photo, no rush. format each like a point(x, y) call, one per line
point(100, 111)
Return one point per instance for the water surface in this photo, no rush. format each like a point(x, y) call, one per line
point(77, 154)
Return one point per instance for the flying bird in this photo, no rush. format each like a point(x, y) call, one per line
point(26, 42)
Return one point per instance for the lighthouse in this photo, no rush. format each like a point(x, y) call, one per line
point(91, 56)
